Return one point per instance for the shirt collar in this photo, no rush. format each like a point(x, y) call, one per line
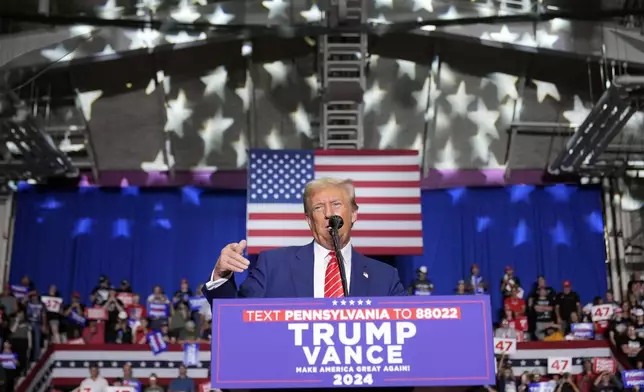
point(322, 252)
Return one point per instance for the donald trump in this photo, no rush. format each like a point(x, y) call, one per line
point(311, 270)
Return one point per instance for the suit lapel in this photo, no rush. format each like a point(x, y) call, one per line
point(302, 271)
point(359, 285)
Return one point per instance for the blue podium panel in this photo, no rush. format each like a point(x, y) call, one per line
point(352, 342)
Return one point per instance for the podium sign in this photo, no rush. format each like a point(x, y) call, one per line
point(377, 342)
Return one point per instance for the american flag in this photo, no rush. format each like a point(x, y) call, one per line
point(387, 191)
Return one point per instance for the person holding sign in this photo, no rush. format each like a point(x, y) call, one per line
point(311, 270)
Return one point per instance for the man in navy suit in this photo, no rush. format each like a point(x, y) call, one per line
point(300, 271)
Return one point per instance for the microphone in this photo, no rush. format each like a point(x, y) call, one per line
point(335, 223)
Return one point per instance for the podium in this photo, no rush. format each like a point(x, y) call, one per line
point(295, 343)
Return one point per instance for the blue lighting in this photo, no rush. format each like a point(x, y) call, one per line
point(520, 193)
point(596, 222)
point(456, 194)
point(521, 233)
point(482, 223)
point(560, 235)
point(561, 192)
point(82, 226)
point(121, 228)
point(191, 195)
point(130, 191)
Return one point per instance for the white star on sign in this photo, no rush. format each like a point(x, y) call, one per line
point(423, 5)
point(313, 14)
point(278, 71)
point(275, 8)
point(301, 121)
point(460, 101)
point(84, 102)
point(388, 132)
point(406, 67)
point(177, 112)
point(216, 82)
point(578, 114)
point(485, 119)
point(368, 302)
point(241, 147)
point(343, 302)
point(274, 140)
point(504, 35)
point(373, 97)
point(334, 302)
point(360, 302)
point(212, 132)
point(545, 89)
point(352, 302)
point(220, 17)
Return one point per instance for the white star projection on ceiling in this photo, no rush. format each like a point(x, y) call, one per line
point(460, 101)
point(578, 114)
point(278, 71)
point(216, 82)
point(427, 5)
point(85, 101)
point(302, 121)
point(276, 8)
point(185, 12)
point(212, 132)
point(313, 14)
point(220, 17)
point(177, 112)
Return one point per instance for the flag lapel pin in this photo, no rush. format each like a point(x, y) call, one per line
point(366, 275)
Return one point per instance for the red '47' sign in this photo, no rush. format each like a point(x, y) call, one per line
point(505, 345)
point(559, 365)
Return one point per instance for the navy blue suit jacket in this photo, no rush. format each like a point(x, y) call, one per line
point(288, 273)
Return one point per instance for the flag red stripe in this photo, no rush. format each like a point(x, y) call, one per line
point(386, 184)
point(367, 168)
point(354, 233)
point(365, 250)
point(362, 217)
point(367, 153)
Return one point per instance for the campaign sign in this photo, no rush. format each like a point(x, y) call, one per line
point(632, 378)
point(352, 342)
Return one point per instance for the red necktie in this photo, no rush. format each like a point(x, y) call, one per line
point(332, 279)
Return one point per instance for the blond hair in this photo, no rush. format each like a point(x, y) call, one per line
point(321, 183)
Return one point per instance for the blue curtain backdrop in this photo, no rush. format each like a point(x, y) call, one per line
point(160, 237)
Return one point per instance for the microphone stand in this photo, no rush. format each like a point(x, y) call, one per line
point(338, 256)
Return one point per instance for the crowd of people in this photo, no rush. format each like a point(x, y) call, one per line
point(30, 320)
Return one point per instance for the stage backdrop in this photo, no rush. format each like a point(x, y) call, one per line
point(159, 237)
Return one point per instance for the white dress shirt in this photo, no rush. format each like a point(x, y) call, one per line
point(320, 261)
